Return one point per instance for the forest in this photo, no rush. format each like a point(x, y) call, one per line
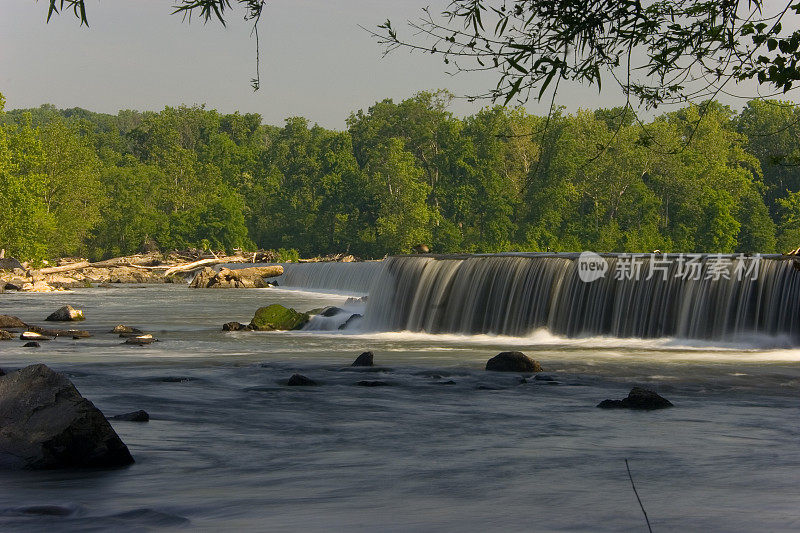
point(704, 178)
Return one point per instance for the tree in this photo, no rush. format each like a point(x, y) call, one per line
point(25, 223)
point(72, 192)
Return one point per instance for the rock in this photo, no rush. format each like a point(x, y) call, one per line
point(638, 398)
point(203, 278)
point(39, 286)
point(45, 423)
point(32, 344)
point(243, 278)
point(356, 301)
point(10, 286)
point(66, 314)
point(121, 328)
point(299, 380)
point(352, 321)
point(512, 362)
point(6, 335)
point(141, 340)
point(74, 333)
point(365, 359)
point(8, 321)
point(367, 383)
point(235, 326)
point(2, 372)
point(277, 317)
point(32, 336)
point(9, 263)
point(134, 416)
point(331, 311)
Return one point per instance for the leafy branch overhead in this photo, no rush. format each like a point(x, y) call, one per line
point(206, 9)
point(665, 51)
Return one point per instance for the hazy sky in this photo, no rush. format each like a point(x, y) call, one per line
point(316, 61)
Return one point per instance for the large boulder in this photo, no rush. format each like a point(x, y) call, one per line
point(512, 362)
point(12, 322)
point(66, 314)
point(45, 423)
point(277, 317)
point(638, 398)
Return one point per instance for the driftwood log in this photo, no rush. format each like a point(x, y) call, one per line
point(140, 262)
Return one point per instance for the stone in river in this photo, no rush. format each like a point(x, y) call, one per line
point(365, 359)
point(276, 317)
point(299, 380)
point(512, 362)
point(8, 321)
point(45, 423)
point(134, 416)
point(638, 398)
point(66, 314)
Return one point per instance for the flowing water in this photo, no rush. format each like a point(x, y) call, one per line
point(445, 446)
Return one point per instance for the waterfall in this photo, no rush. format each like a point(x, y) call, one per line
point(342, 277)
point(515, 294)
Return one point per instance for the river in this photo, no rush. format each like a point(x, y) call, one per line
point(446, 446)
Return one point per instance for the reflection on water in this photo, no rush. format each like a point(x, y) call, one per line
point(230, 446)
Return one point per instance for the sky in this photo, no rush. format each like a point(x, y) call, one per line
point(316, 61)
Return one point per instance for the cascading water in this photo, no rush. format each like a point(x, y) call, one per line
point(343, 277)
point(515, 294)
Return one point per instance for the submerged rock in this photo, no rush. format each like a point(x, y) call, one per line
point(352, 321)
point(638, 398)
point(365, 359)
point(512, 362)
point(45, 423)
point(235, 326)
point(66, 314)
point(276, 317)
point(140, 340)
point(32, 344)
point(372, 383)
point(299, 380)
point(74, 333)
point(134, 416)
point(121, 328)
point(8, 321)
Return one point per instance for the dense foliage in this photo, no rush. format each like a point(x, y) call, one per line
point(703, 178)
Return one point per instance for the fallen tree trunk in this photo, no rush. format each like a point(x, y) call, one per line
point(187, 267)
point(136, 262)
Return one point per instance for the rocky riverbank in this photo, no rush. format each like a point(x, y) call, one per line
point(176, 267)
